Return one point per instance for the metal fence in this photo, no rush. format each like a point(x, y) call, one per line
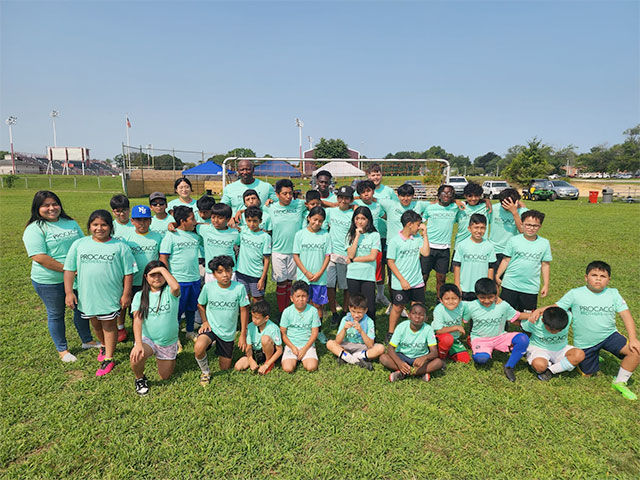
point(86, 183)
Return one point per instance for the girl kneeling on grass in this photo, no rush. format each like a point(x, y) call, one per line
point(104, 269)
point(155, 329)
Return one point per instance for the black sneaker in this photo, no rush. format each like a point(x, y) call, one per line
point(546, 375)
point(364, 364)
point(510, 374)
point(335, 319)
point(387, 339)
point(142, 387)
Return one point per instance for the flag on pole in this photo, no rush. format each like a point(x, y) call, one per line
point(128, 122)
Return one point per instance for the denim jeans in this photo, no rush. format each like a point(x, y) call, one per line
point(53, 298)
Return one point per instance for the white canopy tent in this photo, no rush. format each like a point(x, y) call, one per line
point(341, 169)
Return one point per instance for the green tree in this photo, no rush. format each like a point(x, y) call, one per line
point(167, 162)
point(529, 163)
point(487, 163)
point(560, 158)
point(331, 148)
point(241, 152)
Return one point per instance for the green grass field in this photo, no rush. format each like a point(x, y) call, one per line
point(60, 421)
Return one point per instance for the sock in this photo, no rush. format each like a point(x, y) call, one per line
point(120, 327)
point(361, 355)
point(203, 363)
point(563, 365)
point(520, 343)
point(481, 358)
point(347, 357)
point(623, 376)
point(281, 297)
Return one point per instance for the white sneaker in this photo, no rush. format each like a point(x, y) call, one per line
point(68, 358)
point(405, 314)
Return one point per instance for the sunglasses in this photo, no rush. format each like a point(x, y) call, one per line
point(155, 204)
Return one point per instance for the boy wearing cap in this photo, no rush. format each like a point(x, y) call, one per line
point(144, 244)
point(339, 220)
point(161, 219)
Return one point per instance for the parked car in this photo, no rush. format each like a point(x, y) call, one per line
point(420, 189)
point(563, 189)
point(458, 184)
point(492, 188)
point(539, 189)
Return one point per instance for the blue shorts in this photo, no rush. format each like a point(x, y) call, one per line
point(406, 359)
point(189, 292)
point(250, 284)
point(318, 294)
point(612, 344)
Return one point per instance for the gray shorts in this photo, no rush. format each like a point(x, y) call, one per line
point(170, 352)
point(283, 267)
point(337, 275)
point(353, 347)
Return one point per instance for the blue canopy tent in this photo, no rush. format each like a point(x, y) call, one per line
point(206, 168)
point(277, 168)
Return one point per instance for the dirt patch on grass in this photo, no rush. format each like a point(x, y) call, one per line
point(75, 376)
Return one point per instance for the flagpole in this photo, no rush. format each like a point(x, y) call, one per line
point(126, 126)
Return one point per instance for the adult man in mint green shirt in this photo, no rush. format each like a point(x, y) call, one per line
point(232, 194)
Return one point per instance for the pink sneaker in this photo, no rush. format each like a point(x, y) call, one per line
point(102, 354)
point(105, 367)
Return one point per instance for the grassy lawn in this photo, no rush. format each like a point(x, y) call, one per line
point(60, 421)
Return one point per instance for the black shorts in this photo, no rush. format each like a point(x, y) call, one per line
point(437, 260)
point(469, 296)
point(612, 344)
point(259, 356)
point(523, 302)
point(496, 264)
point(407, 297)
point(223, 348)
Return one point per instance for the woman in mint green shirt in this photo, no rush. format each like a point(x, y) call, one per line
point(362, 252)
point(47, 238)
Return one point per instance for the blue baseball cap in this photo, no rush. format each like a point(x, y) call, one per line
point(140, 211)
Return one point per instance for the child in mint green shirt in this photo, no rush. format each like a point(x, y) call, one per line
point(413, 349)
point(299, 326)
point(448, 324)
point(217, 238)
point(254, 255)
point(264, 341)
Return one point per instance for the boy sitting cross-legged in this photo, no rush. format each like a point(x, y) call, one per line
point(355, 341)
point(413, 349)
point(264, 342)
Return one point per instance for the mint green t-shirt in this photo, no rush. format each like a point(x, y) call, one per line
point(406, 254)
point(462, 219)
point(100, 267)
point(445, 318)
point(384, 193)
point(299, 324)
point(474, 259)
point(394, 210)
point(376, 213)
point(440, 222)
point(365, 270)
point(254, 336)
point(352, 335)
point(543, 338)
point(503, 226)
point(53, 239)
point(594, 314)
point(183, 249)
point(145, 248)
point(232, 194)
point(338, 222)
point(523, 272)
point(488, 322)
point(121, 231)
point(312, 248)
point(193, 205)
point(160, 326)
point(413, 344)
point(254, 246)
point(286, 221)
point(222, 307)
point(161, 226)
point(218, 242)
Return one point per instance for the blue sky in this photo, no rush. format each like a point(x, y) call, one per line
point(472, 77)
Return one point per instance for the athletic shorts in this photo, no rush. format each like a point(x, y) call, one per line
point(288, 354)
point(103, 318)
point(337, 275)
point(502, 343)
point(405, 359)
point(223, 348)
point(553, 356)
point(469, 296)
point(318, 294)
point(259, 356)
point(169, 352)
point(250, 284)
point(189, 293)
point(407, 297)
point(351, 347)
point(612, 344)
point(283, 268)
point(496, 264)
point(437, 260)
point(523, 302)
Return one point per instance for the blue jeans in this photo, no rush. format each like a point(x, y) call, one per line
point(53, 298)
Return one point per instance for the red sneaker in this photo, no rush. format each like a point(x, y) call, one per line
point(122, 334)
point(102, 354)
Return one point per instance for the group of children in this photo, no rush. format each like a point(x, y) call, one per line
point(210, 260)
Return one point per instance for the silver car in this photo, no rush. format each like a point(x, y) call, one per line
point(492, 188)
point(458, 184)
point(563, 189)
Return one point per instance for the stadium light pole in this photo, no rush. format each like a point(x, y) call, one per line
point(299, 124)
point(310, 138)
point(11, 121)
point(54, 114)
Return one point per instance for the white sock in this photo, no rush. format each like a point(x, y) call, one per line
point(361, 355)
point(623, 376)
point(347, 357)
point(120, 327)
point(203, 363)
